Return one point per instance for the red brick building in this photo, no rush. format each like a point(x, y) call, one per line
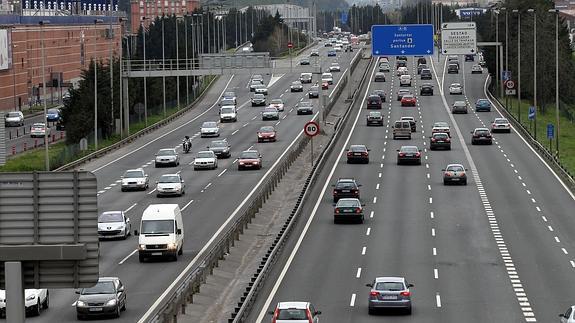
point(68, 48)
point(152, 9)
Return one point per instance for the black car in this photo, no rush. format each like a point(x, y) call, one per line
point(425, 74)
point(381, 94)
point(421, 67)
point(221, 148)
point(358, 153)
point(421, 60)
point(440, 140)
point(401, 58)
point(452, 69)
point(304, 61)
point(374, 102)
point(106, 298)
point(379, 77)
point(313, 92)
point(481, 136)
point(401, 63)
point(304, 107)
point(469, 57)
point(270, 113)
point(426, 89)
point(409, 154)
point(374, 118)
point(258, 99)
point(345, 187)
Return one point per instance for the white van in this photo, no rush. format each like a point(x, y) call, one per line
point(305, 77)
point(161, 232)
point(228, 113)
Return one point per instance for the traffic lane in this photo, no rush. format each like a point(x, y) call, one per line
point(537, 221)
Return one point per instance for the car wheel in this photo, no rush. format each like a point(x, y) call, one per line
point(158, 195)
point(181, 251)
point(118, 310)
point(123, 189)
point(445, 182)
point(431, 148)
point(37, 308)
point(125, 304)
point(371, 311)
point(125, 235)
point(464, 182)
point(141, 258)
point(408, 311)
point(79, 317)
point(46, 303)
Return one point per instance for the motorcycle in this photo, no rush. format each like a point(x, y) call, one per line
point(187, 146)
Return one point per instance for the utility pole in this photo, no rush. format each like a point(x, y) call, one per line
point(46, 153)
point(111, 38)
point(164, 64)
point(518, 63)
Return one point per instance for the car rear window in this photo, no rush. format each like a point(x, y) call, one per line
point(455, 168)
point(357, 148)
point(409, 149)
point(249, 155)
point(347, 203)
point(345, 185)
point(292, 314)
point(440, 136)
point(389, 286)
point(481, 132)
point(209, 124)
point(13, 114)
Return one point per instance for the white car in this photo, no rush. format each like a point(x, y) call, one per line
point(278, 104)
point(261, 89)
point(295, 312)
point(402, 70)
point(34, 300)
point(170, 184)
point(14, 119)
point(327, 77)
point(39, 130)
point(501, 124)
point(337, 48)
point(334, 67)
point(441, 127)
point(210, 129)
point(455, 88)
point(114, 224)
point(135, 179)
point(405, 80)
point(228, 113)
point(167, 157)
point(206, 159)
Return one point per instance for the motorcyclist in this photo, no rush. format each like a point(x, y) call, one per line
point(187, 144)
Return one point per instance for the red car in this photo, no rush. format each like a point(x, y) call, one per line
point(324, 85)
point(408, 100)
point(267, 133)
point(250, 159)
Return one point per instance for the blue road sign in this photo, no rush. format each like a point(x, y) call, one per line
point(344, 18)
point(532, 112)
point(401, 40)
point(464, 13)
point(550, 131)
point(506, 75)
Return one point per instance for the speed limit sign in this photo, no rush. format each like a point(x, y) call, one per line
point(311, 129)
point(510, 84)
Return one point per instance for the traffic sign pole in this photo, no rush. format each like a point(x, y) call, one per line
point(311, 129)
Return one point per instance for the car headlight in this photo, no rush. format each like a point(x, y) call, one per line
point(31, 297)
point(81, 304)
point(172, 246)
point(111, 302)
point(142, 247)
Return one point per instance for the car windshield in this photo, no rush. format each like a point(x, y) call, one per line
point(389, 286)
point(205, 154)
point(459, 104)
point(482, 102)
point(357, 148)
point(106, 287)
point(296, 83)
point(314, 88)
point(227, 110)
point(455, 85)
point(440, 124)
point(409, 149)
point(220, 143)
point(404, 91)
point(110, 217)
point(259, 96)
point(134, 174)
point(229, 95)
point(157, 226)
point(304, 104)
point(440, 136)
point(455, 168)
point(209, 124)
point(227, 102)
point(408, 96)
point(13, 114)
point(375, 114)
point(267, 129)
point(249, 155)
point(292, 314)
point(347, 203)
point(166, 152)
point(52, 111)
point(345, 184)
point(277, 101)
point(169, 179)
point(39, 125)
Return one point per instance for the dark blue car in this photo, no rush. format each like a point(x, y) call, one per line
point(482, 105)
point(53, 115)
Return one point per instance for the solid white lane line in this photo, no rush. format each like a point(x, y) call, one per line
point(131, 207)
point(127, 257)
point(235, 131)
point(187, 204)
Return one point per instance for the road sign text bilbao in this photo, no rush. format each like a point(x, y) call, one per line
point(402, 40)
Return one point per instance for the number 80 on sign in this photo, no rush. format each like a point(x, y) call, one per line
point(311, 129)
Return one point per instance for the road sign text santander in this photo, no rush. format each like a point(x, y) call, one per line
point(401, 40)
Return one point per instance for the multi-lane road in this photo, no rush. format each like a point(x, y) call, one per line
point(212, 197)
point(496, 250)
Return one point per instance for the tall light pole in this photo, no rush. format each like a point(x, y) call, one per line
point(518, 63)
point(506, 51)
point(178, 60)
point(163, 64)
point(46, 154)
point(145, 79)
point(96, 22)
point(497, 73)
point(111, 42)
point(556, 12)
point(534, 67)
point(187, 60)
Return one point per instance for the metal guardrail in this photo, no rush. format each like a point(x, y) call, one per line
point(130, 138)
point(190, 284)
point(266, 264)
point(551, 159)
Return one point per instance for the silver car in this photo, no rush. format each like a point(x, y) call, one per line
point(114, 224)
point(295, 312)
point(170, 184)
point(210, 129)
point(167, 157)
point(135, 179)
point(568, 316)
point(14, 119)
point(389, 292)
point(304, 107)
point(456, 88)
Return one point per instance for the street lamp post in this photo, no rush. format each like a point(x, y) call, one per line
point(497, 73)
point(556, 12)
point(46, 154)
point(506, 51)
point(187, 60)
point(96, 22)
point(518, 63)
point(534, 67)
point(178, 60)
point(145, 79)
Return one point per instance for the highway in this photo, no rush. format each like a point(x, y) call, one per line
point(496, 250)
point(211, 198)
point(16, 138)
